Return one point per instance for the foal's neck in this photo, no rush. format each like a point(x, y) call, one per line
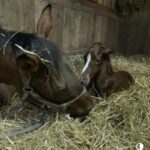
point(105, 69)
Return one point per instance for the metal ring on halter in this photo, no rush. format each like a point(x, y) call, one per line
point(28, 90)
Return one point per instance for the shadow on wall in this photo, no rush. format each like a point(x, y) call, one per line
point(129, 7)
point(134, 31)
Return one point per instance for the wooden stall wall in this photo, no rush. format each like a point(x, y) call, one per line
point(17, 15)
point(107, 3)
point(134, 34)
point(76, 23)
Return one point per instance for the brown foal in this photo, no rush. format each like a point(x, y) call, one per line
point(98, 75)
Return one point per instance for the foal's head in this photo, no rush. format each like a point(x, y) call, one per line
point(93, 60)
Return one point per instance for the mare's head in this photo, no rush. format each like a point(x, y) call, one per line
point(40, 70)
point(53, 79)
point(95, 57)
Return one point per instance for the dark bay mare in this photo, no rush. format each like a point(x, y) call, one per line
point(44, 26)
point(6, 92)
point(28, 61)
point(39, 70)
point(98, 75)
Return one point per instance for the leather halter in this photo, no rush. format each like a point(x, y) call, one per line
point(95, 90)
point(29, 91)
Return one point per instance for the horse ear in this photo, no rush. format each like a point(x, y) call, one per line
point(44, 24)
point(27, 61)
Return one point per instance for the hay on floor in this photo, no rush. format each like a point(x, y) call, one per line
point(118, 123)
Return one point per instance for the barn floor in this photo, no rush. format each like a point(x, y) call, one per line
point(118, 123)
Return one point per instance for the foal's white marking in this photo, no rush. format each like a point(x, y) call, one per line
point(87, 63)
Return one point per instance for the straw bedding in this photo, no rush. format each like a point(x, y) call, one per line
point(118, 123)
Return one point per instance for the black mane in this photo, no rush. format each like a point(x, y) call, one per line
point(45, 49)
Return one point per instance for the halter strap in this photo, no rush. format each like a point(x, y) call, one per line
point(95, 90)
point(31, 92)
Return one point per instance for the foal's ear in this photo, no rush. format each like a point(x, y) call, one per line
point(27, 61)
point(44, 24)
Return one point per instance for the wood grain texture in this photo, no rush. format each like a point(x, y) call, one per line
point(76, 24)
